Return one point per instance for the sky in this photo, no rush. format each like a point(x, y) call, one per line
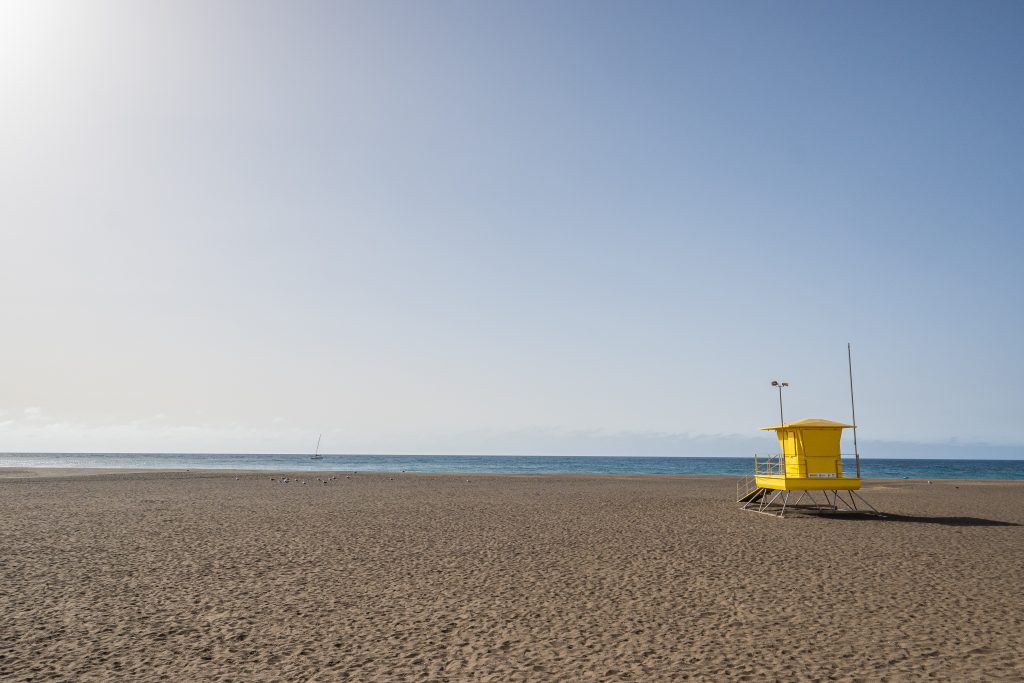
point(593, 228)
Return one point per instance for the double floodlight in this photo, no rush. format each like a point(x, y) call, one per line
point(776, 383)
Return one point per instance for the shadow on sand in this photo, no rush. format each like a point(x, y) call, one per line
point(920, 519)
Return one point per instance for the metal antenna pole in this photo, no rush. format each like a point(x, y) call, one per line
point(853, 409)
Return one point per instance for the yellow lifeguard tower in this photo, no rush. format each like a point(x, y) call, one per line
point(810, 453)
point(810, 462)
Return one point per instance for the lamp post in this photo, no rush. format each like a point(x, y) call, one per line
point(782, 424)
point(776, 383)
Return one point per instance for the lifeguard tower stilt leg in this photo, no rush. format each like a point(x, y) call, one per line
point(776, 502)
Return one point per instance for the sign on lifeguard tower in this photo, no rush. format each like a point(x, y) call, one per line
point(810, 462)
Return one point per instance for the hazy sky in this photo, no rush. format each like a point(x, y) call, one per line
point(483, 227)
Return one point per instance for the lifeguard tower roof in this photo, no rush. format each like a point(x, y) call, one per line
point(811, 423)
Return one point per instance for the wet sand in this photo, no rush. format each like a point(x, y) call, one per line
point(195, 576)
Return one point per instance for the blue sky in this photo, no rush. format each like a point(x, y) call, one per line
point(509, 227)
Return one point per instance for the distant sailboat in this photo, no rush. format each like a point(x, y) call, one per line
point(316, 455)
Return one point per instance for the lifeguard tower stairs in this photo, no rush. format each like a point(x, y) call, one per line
point(807, 476)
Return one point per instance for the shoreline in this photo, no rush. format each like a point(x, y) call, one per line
point(1001, 470)
point(15, 473)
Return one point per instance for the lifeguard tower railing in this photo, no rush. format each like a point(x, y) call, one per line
point(774, 465)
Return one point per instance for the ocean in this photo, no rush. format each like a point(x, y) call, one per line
point(511, 464)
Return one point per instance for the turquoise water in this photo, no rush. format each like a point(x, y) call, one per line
point(514, 464)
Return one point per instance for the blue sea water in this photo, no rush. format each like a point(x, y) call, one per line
point(513, 464)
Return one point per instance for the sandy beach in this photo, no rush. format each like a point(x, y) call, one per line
point(397, 577)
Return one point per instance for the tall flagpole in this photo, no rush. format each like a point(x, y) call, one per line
point(853, 409)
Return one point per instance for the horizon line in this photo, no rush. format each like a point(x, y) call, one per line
point(463, 455)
